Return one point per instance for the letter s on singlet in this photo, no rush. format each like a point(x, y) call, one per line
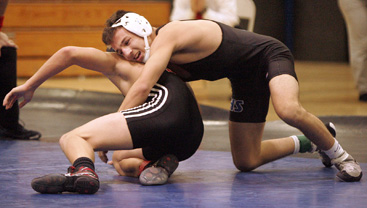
point(237, 105)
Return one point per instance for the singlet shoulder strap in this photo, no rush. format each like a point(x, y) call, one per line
point(156, 32)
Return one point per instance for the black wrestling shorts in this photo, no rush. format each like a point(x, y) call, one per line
point(169, 122)
point(250, 91)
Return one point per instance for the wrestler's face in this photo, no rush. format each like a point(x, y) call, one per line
point(128, 45)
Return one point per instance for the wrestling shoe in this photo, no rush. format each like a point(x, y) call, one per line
point(83, 181)
point(157, 173)
point(19, 133)
point(349, 168)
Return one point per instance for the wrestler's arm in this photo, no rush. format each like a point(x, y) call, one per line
point(89, 58)
point(161, 51)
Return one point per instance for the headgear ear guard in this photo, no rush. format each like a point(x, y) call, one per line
point(138, 25)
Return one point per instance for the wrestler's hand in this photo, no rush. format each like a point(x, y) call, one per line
point(20, 92)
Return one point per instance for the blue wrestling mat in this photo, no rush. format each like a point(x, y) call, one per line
point(208, 179)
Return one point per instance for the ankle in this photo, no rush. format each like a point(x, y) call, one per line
point(335, 151)
point(301, 144)
point(83, 162)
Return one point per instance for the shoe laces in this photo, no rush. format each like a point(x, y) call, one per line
point(71, 169)
point(348, 164)
point(82, 171)
point(345, 157)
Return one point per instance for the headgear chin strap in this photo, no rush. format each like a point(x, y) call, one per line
point(138, 25)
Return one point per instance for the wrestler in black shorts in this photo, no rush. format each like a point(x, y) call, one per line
point(169, 122)
point(249, 61)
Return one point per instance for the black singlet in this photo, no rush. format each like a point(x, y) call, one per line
point(249, 61)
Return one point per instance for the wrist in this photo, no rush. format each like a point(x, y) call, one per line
point(1, 21)
point(30, 86)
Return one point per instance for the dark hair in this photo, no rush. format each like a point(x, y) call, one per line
point(109, 31)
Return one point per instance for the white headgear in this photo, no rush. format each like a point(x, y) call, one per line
point(138, 25)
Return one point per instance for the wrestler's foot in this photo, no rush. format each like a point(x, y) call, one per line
point(83, 181)
point(159, 172)
point(349, 168)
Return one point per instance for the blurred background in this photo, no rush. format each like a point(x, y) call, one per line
point(314, 30)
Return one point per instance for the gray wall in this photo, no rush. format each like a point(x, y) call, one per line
point(319, 32)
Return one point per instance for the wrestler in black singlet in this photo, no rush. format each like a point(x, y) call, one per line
point(169, 122)
point(249, 61)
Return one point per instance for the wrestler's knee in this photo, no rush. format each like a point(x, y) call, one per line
point(64, 139)
point(245, 165)
point(69, 137)
point(292, 114)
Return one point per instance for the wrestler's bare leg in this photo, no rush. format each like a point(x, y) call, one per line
point(109, 132)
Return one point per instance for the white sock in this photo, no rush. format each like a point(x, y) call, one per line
point(335, 151)
point(296, 144)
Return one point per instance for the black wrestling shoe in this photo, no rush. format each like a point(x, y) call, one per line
point(83, 181)
point(19, 133)
point(157, 173)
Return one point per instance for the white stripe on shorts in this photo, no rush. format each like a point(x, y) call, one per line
point(160, 96)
